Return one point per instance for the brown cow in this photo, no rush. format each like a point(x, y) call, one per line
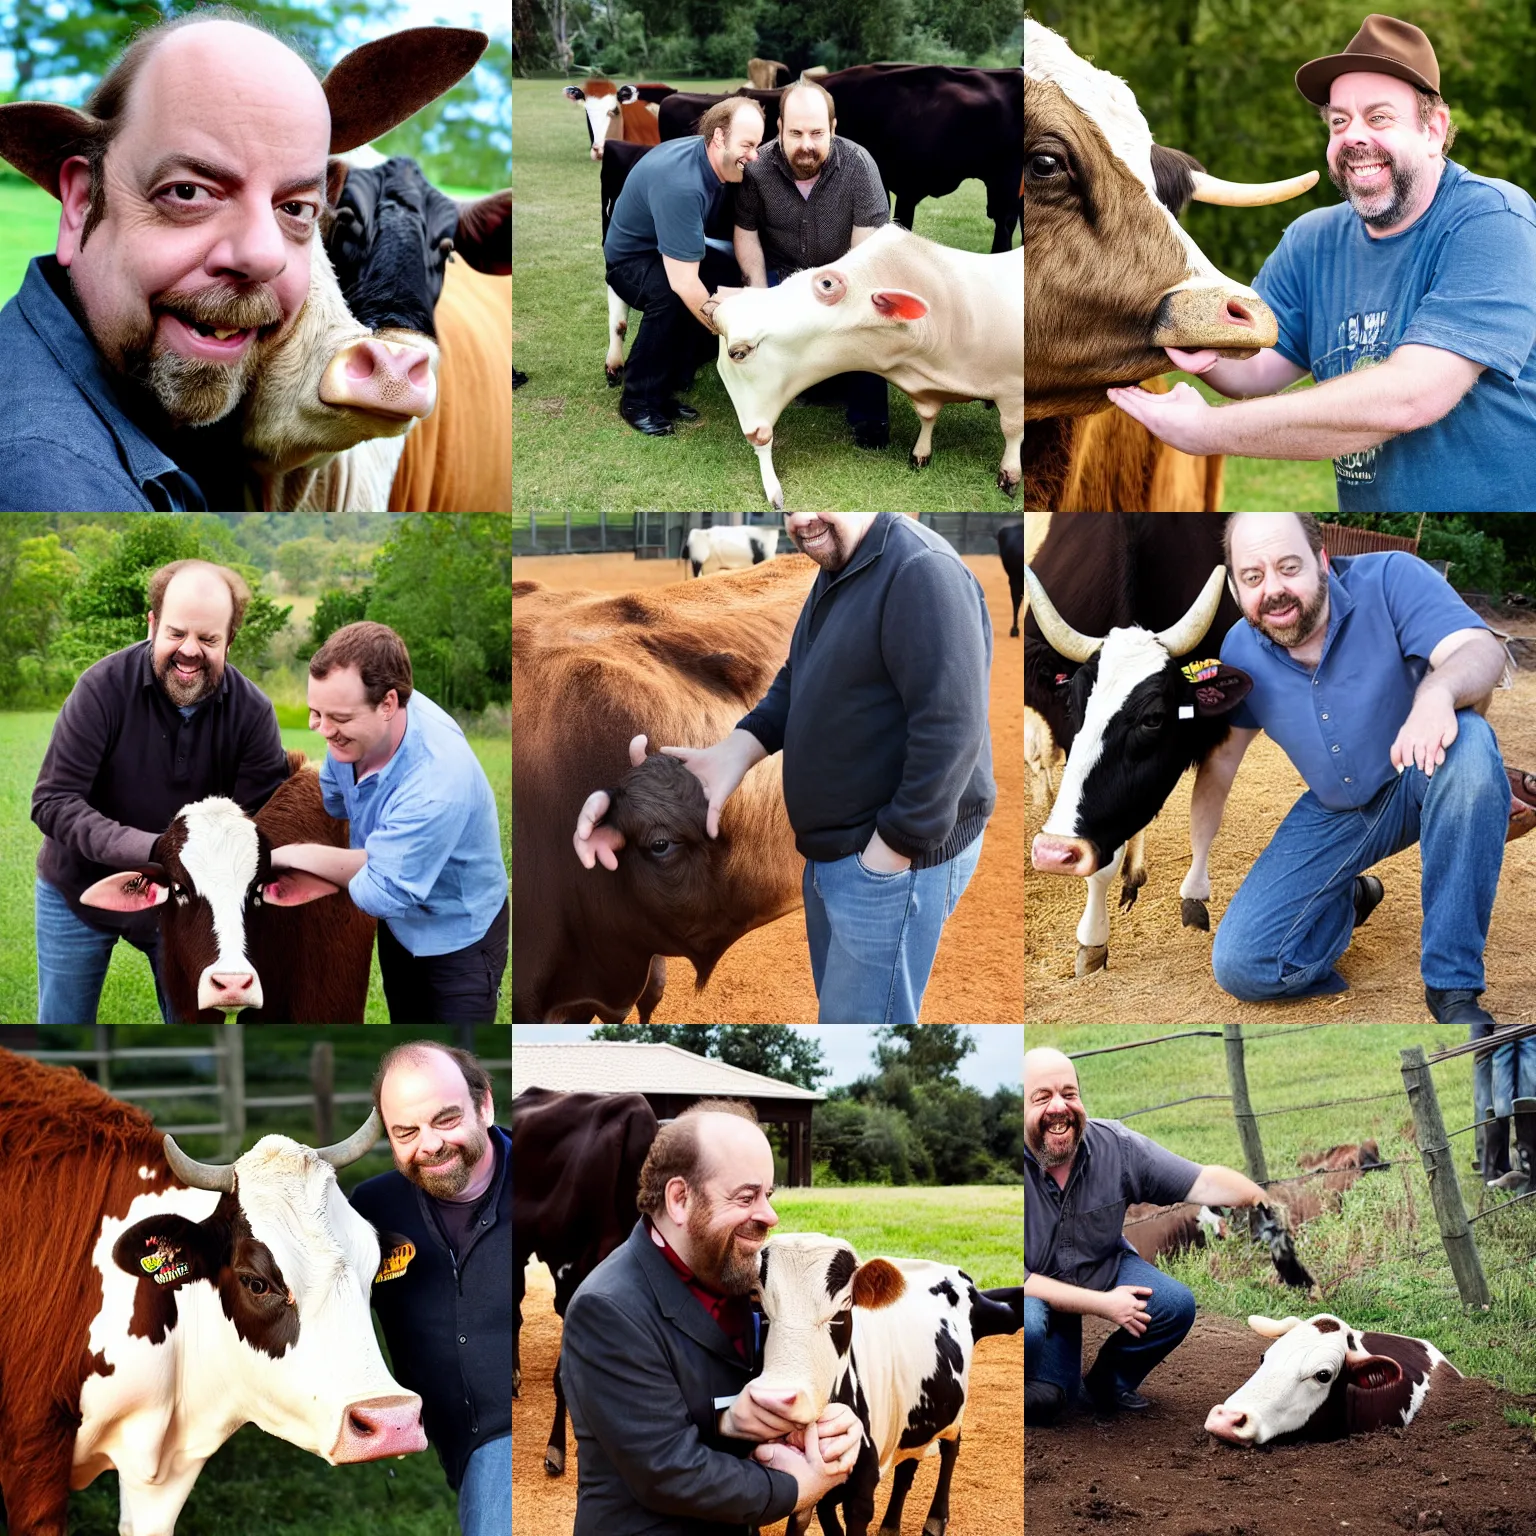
point(1153, 1230)
point(1344, 1165)
point(617, 112)
point(681, 665)
point(768, 74)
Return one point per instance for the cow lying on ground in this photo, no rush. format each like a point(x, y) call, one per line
point(182, 1301)
point(1322, 1380)
point(1340, 1166)
point(728, 549)
point(892, 1339)
point(231, 939)
point(576, 1160)
point(940, 324)
point(1010, 550)
point(1153, 1230)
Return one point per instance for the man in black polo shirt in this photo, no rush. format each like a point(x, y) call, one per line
point(1079, 1176)
point(806, 201)
point(444, 1287)
point(143, 732)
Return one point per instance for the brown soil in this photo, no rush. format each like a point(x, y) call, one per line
point(765, 978)
point(1458, 1470)
point(1160, 972)
point(985, 1496)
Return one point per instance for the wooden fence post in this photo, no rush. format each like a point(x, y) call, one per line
point(232, 1082)
point(1444, 1190)
point(104, 1061)
point(322, 1079)
point(1242, 1111)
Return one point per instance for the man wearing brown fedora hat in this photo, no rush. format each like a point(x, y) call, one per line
point(1411, 304)
point(190, 192)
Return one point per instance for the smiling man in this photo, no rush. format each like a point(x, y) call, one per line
point(1410, 302)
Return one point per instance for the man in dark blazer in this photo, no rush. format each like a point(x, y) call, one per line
point(662, 1339)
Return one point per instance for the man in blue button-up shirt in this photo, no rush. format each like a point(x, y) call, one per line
point(426, 840)
point(1370, 673)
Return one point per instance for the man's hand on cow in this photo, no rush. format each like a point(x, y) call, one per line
point(1126, 1307)
point(1429, 729)
point(814, 1477)
point(758, 1414)
point(1181, 418)
point(840, 1435)
point(720, 769)
point(600, 845)
point(880, 857)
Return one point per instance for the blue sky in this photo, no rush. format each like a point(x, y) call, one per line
point(848, 1049)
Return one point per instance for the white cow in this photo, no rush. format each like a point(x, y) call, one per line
point(729, 549)
point(938, 323)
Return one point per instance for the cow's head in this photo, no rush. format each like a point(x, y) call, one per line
point(209, 869)
point(1142, 714)
point(1112, 279)
point(269, 1298)
point(1319, 1377)
point(810, 1285)
point(604, 103)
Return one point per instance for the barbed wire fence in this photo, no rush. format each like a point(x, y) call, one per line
point(1430, 1135)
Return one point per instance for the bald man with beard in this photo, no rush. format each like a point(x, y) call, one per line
point(1080, 1174)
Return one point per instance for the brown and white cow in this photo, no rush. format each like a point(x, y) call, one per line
point(1153, 1230)
point(1322, 1380)
point(150, 1305)
point(618, 113)
point(231, 940)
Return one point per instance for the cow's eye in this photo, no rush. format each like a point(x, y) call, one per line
point(740, 351)
point(255, 1285)
point(1324, 1376)
point(1153, 722)
point(659, 846)
point(1044, 167)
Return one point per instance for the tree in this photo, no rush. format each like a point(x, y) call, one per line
point(932, 1052)
point(334, 609)
point(774, 1050)
point(36, 573)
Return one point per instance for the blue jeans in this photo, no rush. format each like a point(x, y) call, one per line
point(873, 937)
point(1514, 1075)
point(485, 1495)
point(1053, 1341)
point(72, 961)
point(1291, 918)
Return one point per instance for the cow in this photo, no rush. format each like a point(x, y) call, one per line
point(728, 549)
point(1153, 1230)
point(576, 1161)
point(1010, 550)
point(1323, 1380)
point(1340, 1167)
point(890, 1338)
point(680, 664)
point(768, 74)
point(229, 942)
point(618, 114)
point(182, 1301)
point(678, 116)
point(938, 323)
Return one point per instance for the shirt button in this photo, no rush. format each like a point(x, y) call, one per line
point(1333, 749)
point(1348, 780)
point(1325, 714)
point(462, 1339)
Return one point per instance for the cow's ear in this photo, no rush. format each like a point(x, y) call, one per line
point(293, 887)
point(168, 1250)
point(898, 304)
point(37, 137)
point(877, 1283)
point(627, 93)
point(484, 237)
point(574, 93)
point(1367, 1371)
point(376, 87)
point(1215, 689)
point(130, 890)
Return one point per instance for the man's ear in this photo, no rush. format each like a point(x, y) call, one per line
point(74, 200)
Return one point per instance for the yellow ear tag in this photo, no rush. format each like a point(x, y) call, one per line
point(395, 1263)
point(1200, 671)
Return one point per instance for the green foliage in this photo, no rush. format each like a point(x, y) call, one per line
point(1475, 552)
point(772, 1050)
point(866, 1143)
point(933, 1052)
point(335, 609)
point(35, 576)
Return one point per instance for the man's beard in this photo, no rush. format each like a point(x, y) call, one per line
point(451, 1177)
point(808, 163)
point(718, 1260)
point(1309, 613)
point(1053, 1152)
point(182, 692)
point(1370, 206)
point(832, 554)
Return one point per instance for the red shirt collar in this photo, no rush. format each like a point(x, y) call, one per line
point(732, 1313)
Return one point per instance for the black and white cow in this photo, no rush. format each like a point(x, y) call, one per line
point(1322, 1380)
point(708, 550)
point(892, 1339)
point(1135, 695)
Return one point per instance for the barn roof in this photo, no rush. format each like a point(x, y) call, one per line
point(609, 1066)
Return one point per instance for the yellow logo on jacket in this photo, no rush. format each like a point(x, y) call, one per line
point(395, 1262)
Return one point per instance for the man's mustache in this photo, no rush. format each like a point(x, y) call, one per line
point(224, 309)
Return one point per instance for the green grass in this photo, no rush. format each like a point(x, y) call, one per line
point(572, 450)
point(1363, 1256)
point(980, 1227)
point(128, 996)
point(29, 226)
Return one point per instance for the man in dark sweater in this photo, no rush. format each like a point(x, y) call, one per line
point(143, 732)
point(881, 713)
point(444, 1287)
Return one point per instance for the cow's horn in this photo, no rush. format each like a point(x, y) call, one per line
point(196, 1175)
point(1184, 636)
point(348, 1151)
point(1059, 635)
point(1250, 194)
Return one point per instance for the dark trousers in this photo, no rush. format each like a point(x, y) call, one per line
point(670, 344)
point(457, 988)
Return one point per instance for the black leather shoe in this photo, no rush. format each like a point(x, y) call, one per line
point(675, 410)
point(870, 434)
point(649, 422)
point(1109, 1397)
point(1368, 894)
point(1043, 1402)
point(1457, 1006)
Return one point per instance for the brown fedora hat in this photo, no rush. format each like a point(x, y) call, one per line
point(1383, 46)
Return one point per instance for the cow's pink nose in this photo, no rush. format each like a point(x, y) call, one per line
point(1228, 1424)
point(389, 377)
point(1062, 855)
point(237, 983)
point(381, 1426)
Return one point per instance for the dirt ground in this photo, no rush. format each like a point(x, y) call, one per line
point(765, 978)
point(1159, 972)
point(1458, 1470)
point(985, 1496)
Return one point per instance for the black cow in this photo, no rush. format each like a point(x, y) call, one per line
point(678, 116)
point(576, 1160)
point(1155, 579)
point(1010, 550)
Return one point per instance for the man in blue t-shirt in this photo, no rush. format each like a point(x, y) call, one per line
point(659, 261)
point(1371, 675)
point(1411, 303)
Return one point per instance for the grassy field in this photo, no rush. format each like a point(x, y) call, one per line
point(129, 996)
point(573, 451)
point(1363, 1258)
point(980, 1227)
